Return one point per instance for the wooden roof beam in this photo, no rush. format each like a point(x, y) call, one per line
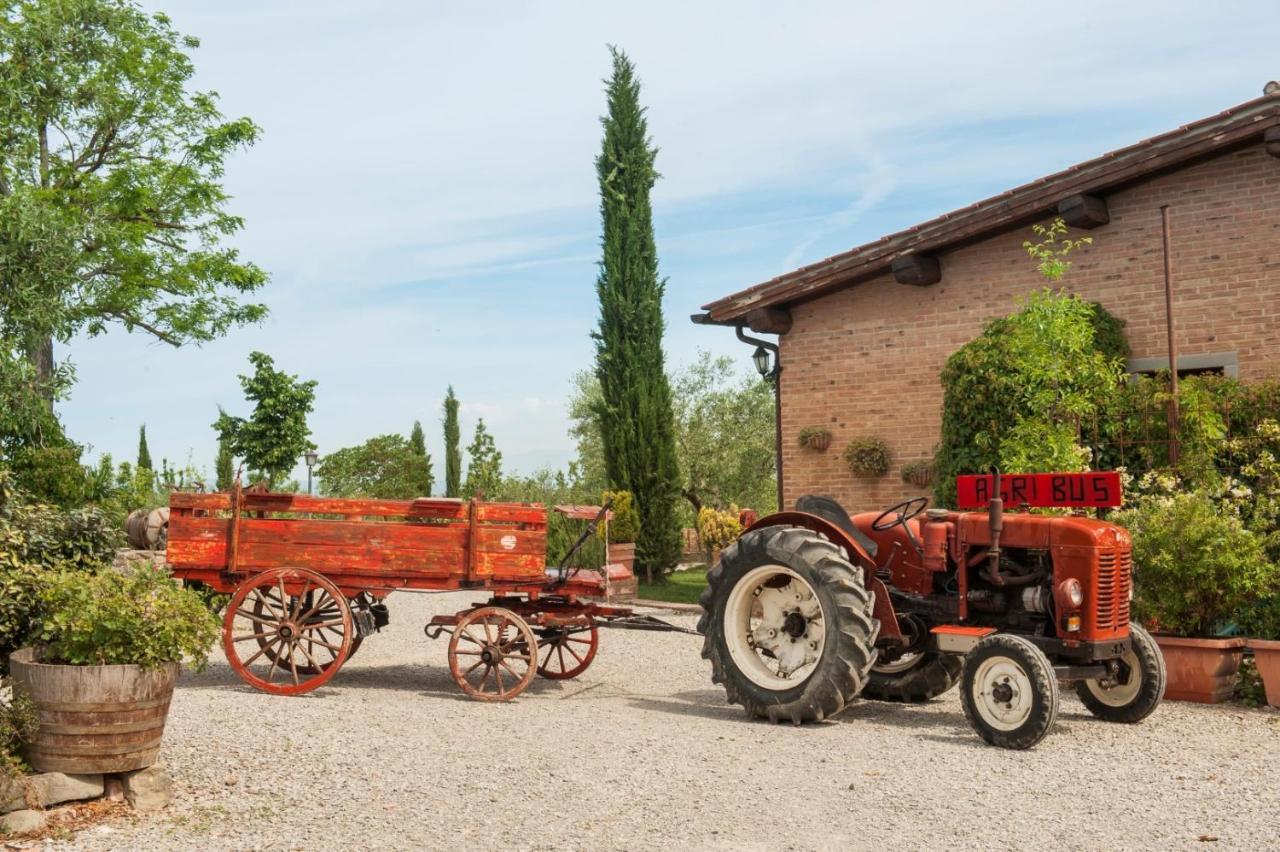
point(1084, 211)
point(919, 270)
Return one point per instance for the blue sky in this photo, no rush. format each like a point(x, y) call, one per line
point(424, 193)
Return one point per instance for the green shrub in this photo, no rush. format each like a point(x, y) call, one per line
point(1015, 396)
point(867, 457)
point(625, 526)
point(718, 528)
point(110, 618)
point(1195, 567)
point(17, 724)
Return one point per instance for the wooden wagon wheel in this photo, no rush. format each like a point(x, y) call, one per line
point(269, 601)
point(568, 650)
point(493, 654)
point(301, 653)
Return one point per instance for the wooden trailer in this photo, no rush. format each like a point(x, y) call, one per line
point(308, 577)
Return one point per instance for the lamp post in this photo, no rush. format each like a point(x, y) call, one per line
point(311, 457)
point(771, 373)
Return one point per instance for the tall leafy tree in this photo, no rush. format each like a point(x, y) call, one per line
point(418, 443)
point(484, 466)
point(387, 466)
point(452, 446)
point(224, 467)
point(144, 452)
point(112, 210)
point(635, 415)
point(274, 437)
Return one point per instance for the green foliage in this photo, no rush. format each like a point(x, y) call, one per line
point(584, 420)
point(52, 473)
point(452, 447)
point(918, 472)
point(1016, 395)
point(718, 528)
point(484, 468)
point(625, 526)
point(36, 539)
point(1195, 567)
point(867, 457)
point(635, 412)
point(224, 466)
point(725, 435)
point(418, 443)
point(276, 435)
point(808, 433)
point(385, 467)
point(18, 723)
point(144, 453)
point(110, 181)
point(1050, 252)
point(110, 618)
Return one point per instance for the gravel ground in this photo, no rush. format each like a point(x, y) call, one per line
point(642, 752)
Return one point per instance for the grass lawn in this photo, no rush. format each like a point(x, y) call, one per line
point(678, 587)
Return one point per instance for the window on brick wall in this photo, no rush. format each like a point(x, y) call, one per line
point(1210, 364)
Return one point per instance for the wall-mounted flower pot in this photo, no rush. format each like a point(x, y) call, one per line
point(819, 442)
point(1266, 655)
point(1201, 670)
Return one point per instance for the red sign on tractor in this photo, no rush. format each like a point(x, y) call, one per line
point(1099, 489)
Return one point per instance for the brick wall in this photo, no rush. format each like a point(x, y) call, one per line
point(865, 360)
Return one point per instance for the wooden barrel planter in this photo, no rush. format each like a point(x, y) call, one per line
point(94, 719)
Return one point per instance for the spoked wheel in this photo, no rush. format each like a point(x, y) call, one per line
point(493, 654)
point(270, 599)
point(273, 634)
point(568, 650)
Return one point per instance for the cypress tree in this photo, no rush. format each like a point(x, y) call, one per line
point(144, 454)
point(452, 446)
point(635, 414)
point(224, 467)
point(418, 444)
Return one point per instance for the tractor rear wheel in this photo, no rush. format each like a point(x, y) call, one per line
point(913, 678)
point(1142, 690)
point(1010, 692)
point(788, 625)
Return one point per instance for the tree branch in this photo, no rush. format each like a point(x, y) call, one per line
point(158, 333)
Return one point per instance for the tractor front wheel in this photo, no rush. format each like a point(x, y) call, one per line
point(788, 625)
point(1140, 688)
point(1009, 693)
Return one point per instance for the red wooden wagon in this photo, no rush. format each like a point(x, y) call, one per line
point(308, 577)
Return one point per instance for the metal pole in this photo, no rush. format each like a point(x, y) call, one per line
point(777, 422)
point(1174, 414)
point(308, 480)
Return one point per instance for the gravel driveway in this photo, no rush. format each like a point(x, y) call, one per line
point(642, 752)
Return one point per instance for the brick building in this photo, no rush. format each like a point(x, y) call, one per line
point(864, 334)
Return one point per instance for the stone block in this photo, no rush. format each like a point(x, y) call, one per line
point(23, 822)
point(149, 789)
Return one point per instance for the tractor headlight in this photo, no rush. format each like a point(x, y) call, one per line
point(1072, 591)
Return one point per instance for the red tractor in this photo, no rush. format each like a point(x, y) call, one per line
point(811, 609)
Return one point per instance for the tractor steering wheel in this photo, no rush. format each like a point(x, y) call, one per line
point(903, 512)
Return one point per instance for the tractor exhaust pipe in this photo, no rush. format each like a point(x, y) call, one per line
point(995, 523)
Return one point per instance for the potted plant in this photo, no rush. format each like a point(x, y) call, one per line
point(718, 529)
point(918, 473)
point(1262, 623)
point(622, 529)
point(101, 670)
point(867, 457)
point(1194, 569)
point(815, 438)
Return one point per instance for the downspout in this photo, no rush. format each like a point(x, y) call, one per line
point(774, 377)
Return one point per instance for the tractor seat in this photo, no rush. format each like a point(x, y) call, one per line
point(829, 509)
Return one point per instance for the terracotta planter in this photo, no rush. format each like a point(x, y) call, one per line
point(94, 719)
point(1201, 670)
point(624, 554)
point(1266, 655)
